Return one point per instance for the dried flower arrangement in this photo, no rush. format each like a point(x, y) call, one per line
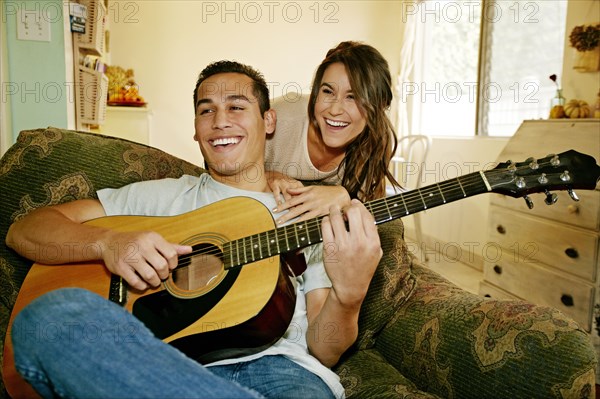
point(554, 78)
point(585, 37)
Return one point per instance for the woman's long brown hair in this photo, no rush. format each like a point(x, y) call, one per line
point(367, 157)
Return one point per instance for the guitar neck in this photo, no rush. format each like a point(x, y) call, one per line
point(302, 234)
point(414, 201)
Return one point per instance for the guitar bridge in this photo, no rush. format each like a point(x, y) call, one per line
point(117, 291)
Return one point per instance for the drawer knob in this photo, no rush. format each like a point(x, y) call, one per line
point(573, 209)
point(498, 269)
point(572, 253)
point(501, 229)
point(567, 300)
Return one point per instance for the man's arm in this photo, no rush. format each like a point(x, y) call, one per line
point(57, 235)
point(351, 257)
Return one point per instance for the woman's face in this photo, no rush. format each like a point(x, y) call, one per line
point(336, 110)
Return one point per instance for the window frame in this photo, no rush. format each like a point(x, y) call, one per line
point(409, 112)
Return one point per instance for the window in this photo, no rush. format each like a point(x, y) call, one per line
point(479, 67)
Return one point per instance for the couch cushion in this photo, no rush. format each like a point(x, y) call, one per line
point(367, 374)
point(461, 345)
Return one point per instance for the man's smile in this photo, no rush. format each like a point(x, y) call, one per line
point(225, 141)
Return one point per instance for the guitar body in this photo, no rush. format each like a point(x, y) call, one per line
point(248, 306)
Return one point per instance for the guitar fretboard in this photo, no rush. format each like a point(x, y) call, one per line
point(302, 234)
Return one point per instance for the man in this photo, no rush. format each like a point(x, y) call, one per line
point(232, 120)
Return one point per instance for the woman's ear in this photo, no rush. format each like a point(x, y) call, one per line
point(270, 121)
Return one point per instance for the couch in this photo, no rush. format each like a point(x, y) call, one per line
point(420, 335)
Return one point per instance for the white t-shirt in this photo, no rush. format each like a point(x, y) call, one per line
point(169, 197)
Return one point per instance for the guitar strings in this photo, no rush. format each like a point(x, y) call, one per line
point(408, 199)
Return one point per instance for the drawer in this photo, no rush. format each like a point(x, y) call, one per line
point(529, 239)
point(491, 291)
point(541, 285)
point(585, 213)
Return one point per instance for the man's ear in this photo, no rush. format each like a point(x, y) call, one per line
point(270, 121)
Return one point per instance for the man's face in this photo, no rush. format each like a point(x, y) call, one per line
point(229, 127)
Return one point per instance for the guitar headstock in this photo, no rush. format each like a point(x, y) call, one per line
point(566, 171)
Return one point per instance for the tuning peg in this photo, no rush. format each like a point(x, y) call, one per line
point(533, 163)
point(528, 201)
point(572, 194)
point(565, 176)
point(551, 198)
point(555, 161)
point(512, 167)
point(543, 179)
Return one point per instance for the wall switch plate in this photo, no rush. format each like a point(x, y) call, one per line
point(33, 25)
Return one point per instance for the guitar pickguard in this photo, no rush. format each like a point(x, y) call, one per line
point(165, 314)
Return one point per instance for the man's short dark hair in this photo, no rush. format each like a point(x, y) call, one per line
point(259, 87)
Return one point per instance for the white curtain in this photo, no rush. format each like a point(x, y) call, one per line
point(407, 110)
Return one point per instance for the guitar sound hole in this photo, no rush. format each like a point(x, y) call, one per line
point(200, 271)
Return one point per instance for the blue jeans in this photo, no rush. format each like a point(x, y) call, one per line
point(73, 343)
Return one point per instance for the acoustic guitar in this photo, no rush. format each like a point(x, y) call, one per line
point(212, 308)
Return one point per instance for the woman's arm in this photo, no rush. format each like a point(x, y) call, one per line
point(306, 202)
point(280, 184)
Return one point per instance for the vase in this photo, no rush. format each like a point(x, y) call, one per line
point(587, 61)
point(557, 105)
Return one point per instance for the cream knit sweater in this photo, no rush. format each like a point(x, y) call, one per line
point(287, 148)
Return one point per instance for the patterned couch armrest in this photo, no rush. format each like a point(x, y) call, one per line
point(456, 344)
point(390, 286)
point(51, 166)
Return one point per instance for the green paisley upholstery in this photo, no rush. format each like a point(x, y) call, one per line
point(443, 342)
point(420, 336)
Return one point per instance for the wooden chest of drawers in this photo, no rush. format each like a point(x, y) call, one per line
point(548, 255)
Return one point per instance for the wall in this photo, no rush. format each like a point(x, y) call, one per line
point(580, 85)
point(35, 86)
point(167, 43)
point(6, 138)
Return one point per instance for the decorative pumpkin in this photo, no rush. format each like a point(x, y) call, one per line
point(557, 112)
point(577, 109)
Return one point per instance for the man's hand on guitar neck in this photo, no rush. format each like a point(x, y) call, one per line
point(351, 254)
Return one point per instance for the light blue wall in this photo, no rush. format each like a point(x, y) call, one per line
point(36, 87)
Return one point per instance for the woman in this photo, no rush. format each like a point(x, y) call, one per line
point(347, 140)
